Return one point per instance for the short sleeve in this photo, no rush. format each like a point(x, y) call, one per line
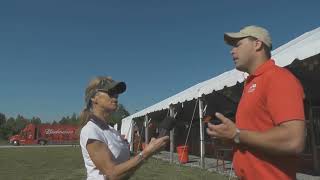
point(91, 132)
point(284, 97)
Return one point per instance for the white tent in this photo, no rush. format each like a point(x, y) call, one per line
point(126, 128)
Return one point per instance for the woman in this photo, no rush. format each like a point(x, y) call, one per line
point(105, 152)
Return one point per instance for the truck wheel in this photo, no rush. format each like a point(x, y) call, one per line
point(16, 143)
point(42, 142)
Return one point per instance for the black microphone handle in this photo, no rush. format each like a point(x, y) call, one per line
point(163, 132)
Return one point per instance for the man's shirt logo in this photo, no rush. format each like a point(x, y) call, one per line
point(252, 88)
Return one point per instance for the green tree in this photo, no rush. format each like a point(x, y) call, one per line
point(118, 115)
point(11, 124)
point(2, 119)
point(2, 126)
point(64, 120)
point(35, 120)
point(9, 128)
point(5, 133)
point(21, 122)
point(74, 120)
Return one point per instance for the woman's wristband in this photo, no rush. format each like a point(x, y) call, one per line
point(141, 156)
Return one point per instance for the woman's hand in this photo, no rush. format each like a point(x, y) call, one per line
point(155, 145)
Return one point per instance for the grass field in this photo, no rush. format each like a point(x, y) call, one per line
point(57, 163)
point(3, 142)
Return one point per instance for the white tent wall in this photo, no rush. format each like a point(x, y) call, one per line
point(127, 129)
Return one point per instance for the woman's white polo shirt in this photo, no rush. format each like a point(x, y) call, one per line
point(98, 130)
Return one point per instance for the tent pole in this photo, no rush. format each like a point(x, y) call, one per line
point(202, 149)
point(132, 135)
point(146, 124)
point(171, 110)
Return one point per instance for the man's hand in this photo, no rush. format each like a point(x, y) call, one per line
point(225, 130)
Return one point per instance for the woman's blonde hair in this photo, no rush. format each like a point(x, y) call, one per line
point(90, 93)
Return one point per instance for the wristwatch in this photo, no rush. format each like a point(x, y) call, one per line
point(236, 138)
point(141, 156)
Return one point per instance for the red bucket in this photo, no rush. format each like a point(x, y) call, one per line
point(183, 154)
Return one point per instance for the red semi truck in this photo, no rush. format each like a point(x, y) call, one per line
point(46, 134)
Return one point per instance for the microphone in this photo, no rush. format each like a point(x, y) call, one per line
point(211, 119)
point(166, 125)
point(215, 121)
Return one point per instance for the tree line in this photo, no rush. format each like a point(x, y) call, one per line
point(10, 126)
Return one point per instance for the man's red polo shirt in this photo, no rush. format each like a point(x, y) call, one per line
point(271, 96)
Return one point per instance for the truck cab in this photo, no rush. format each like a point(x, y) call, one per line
point(26, 136)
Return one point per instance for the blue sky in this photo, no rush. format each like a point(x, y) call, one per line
point(49, 50)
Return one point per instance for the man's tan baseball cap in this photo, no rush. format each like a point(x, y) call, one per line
point(260, 33)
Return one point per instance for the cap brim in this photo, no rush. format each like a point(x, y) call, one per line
point(118, 87)
point(232, 38)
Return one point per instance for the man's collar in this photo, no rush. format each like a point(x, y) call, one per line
point(261, 69)
point(264, 67)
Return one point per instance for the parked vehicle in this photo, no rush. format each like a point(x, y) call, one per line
point(46, 134)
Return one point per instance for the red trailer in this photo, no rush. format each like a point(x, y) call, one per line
point(46, 134)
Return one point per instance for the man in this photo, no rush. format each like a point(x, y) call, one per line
point(270, 128)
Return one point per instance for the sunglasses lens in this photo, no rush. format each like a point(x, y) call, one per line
point(112, 93)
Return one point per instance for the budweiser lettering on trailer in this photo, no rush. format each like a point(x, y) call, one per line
point(52, 131)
